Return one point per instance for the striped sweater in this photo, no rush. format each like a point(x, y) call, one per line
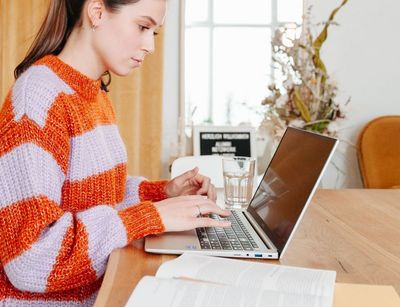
point(65, 198)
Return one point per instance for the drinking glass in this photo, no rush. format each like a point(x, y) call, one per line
point(238, 181)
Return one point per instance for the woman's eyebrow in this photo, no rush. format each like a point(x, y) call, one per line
point(150, 19)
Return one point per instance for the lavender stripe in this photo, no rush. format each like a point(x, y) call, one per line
point(35, 91)
point(106, 232)
point(47, 303)
point(28, 171)
point(131, 193)
point(96, 151)
point(30, 270)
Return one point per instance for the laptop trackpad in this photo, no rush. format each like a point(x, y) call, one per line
point(179, 241)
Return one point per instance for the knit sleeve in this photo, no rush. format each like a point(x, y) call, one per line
point(138, 189)
point(153, 190)
point(43, 246)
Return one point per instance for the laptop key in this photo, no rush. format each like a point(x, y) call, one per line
point(236, 237)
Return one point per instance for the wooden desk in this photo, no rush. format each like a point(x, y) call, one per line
point(354, 232)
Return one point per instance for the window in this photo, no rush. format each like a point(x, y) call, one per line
point(228, 56)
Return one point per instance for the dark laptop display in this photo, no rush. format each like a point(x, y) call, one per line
point(288, 183)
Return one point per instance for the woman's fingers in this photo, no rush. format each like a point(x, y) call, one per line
point(205, 185)
point(191, 182)
point(212, 193)
point(191, 198)
point(213, 208)
point(188, 175)
point(189, 212)
point(203, 203)
point(209, 222)
point(195, 200)
point(207, 188)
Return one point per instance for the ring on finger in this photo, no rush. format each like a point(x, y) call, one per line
point(198, 208)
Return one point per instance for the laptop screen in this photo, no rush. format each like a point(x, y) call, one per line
point(288, 182)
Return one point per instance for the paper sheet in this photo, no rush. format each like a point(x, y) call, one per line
point(251, 274)
point(152, 291)
point(233, 283)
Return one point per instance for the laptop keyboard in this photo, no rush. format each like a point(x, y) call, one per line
point(235, 237)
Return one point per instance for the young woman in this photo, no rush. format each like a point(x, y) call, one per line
point(65, 199)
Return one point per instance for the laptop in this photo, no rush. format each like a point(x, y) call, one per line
point(266, 227)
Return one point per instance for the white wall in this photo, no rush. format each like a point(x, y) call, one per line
point(362, 54)
point(171, 85)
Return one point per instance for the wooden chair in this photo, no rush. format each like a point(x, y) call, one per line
point(379, 153)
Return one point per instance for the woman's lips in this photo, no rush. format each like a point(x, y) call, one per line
point(138, 61)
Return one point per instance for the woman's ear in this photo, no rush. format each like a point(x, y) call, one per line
point(95, 10)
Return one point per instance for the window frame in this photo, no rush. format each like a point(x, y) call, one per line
point(211, 25)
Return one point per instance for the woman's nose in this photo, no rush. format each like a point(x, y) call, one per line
point(148, 44)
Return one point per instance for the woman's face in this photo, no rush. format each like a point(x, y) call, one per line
point(122, 39)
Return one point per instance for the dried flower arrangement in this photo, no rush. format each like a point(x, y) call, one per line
point(306, 96)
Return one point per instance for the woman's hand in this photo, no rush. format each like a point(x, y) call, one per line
point(191, 183)
point(186, 212)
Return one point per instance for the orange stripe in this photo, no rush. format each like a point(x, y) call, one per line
point(53, 137)
point(86, 87)
point(22, 223)
point(6, 114)
point(73, 266)
point(141, 220)
point(106, 188)
point(100, 112)
point(7, 290)
point(152, 190)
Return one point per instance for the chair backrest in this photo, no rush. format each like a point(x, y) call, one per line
point(210, 166)
point(379, 152)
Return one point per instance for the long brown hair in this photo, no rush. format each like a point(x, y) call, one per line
point(62, 17)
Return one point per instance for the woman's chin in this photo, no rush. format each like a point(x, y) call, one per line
point(122, 72)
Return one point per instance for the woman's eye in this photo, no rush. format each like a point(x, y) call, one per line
point(142, 28)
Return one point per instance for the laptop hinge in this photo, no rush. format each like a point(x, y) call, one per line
point(260, 231)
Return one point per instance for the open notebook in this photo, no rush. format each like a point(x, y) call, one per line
point(198, 280)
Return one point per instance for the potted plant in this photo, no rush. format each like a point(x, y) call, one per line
point(305, 94)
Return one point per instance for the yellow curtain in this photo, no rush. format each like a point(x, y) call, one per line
point(137, 98)
point(19, 22)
